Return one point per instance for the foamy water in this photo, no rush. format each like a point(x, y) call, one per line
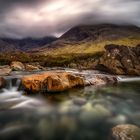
point(128, 79)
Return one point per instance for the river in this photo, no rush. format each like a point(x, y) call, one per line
point(78, 114)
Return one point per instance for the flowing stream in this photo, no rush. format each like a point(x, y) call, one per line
point(78, 114)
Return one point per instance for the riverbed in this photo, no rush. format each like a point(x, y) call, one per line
point(86, 113)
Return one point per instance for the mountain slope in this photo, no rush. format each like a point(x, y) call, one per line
point(93, 38)
point(100, 32)
point(25, 44)
point(6, 47)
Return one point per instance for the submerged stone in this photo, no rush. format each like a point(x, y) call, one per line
point(96, 113)
point(125, 132)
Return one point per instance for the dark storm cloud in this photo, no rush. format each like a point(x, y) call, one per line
point(37, 18)
point(8, 5)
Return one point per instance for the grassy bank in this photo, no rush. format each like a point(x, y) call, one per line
point(74, 60)
point(75, 56)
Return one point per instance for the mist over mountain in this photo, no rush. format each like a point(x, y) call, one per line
point(39, 18)
point(100, 31)
point(82, 38)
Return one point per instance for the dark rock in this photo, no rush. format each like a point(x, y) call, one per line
point(2, 82)
point(121, 60)
point(137, 50)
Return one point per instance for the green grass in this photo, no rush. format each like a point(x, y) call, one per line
point(71, 60)
point(75, 56)
point(90, 47)
point(63, 60)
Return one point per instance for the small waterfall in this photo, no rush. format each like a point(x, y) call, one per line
point(11, 97)
point(13, 83)
point(11, 89)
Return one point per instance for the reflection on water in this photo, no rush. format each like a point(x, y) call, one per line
point(82, 114)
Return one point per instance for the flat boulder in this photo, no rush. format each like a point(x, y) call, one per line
point(101, 79)
point(17, 66)
point(29, 67)
point(105, 79)
point(51, 82)
point(125, 132)
point(5, 70)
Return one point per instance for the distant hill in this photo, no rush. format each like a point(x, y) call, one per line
point(79, 39)
point(80, 47)
point(26, 44)
point(6, 47)
point(100, 32)
point(93, 38)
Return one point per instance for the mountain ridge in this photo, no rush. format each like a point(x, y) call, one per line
point(79, 39)
point(98, 29)
point(25, 44)
point(89, 36)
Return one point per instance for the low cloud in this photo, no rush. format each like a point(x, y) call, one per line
point(38, 18)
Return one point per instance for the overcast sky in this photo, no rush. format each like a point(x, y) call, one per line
point(38, 18)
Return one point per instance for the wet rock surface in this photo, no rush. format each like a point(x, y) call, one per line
point(30, 67)
point(2, 82)
point(101, 79)
point(5, 70)
point(17, 66)
point(121, 60)
point(51, 82)
point(60, 80)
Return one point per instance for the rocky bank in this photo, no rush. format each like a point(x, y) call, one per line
point(120, 60)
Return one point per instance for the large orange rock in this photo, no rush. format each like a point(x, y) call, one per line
point(51, 82)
